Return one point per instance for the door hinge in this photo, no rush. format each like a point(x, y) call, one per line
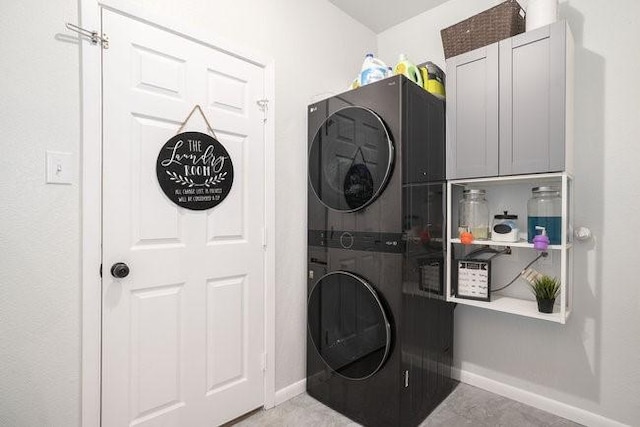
point(406, 378)
point(263, 104)
point(91, 35)
point(264, 362)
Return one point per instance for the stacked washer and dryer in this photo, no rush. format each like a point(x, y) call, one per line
point(380, 334)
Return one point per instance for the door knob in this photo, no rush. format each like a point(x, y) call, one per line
point(119, 270)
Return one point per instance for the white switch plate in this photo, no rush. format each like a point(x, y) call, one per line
point(59, 167)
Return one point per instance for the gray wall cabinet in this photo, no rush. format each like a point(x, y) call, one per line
point(472, 113)
point(509, 106)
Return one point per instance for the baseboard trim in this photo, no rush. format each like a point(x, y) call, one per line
point(290, 391)
point(537, 401)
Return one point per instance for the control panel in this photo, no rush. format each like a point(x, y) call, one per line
point(358, 240)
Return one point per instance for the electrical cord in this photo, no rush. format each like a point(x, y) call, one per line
point(505, 251)
point(478, 251)
point(470, 255)
point(542, 254)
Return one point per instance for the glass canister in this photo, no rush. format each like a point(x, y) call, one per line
point(473, 214)
point(544, 209)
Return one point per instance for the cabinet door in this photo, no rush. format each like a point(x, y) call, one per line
point(472, 114)
point(532, 101)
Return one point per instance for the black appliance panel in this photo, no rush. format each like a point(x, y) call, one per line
point(427, 333)
point(348, 325)
point(383, 214)
point(427, 337)
point(350, 159)
point(373, 401)
point(423, 224)
point(358, 240)
point(423, 137)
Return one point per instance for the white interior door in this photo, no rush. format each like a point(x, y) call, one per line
point(183, 335)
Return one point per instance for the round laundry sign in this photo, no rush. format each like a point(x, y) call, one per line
point(195, 171)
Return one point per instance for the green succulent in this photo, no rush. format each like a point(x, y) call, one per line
point(546, 287)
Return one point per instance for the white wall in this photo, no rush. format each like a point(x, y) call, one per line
point(317, 50)
point(593, 362)
point(39, 224)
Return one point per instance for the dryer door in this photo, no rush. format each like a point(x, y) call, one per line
point(350, 159)
point(348, 325)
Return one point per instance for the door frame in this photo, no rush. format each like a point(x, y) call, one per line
point(91, 193)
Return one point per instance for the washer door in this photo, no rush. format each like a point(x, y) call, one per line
point(348, 325)
point(350, 159)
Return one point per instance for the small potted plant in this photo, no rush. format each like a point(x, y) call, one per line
point(546, 289)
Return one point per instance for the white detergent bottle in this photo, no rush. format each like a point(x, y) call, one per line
point(373, 70)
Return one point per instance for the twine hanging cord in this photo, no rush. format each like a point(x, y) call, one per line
point(541, 255)
point(353, 159)
point(184, 123)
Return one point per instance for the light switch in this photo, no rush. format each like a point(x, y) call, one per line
point(59, 168)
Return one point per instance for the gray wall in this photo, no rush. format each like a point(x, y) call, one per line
point(40, 291)
point(593, 362)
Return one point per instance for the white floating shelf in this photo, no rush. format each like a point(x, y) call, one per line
point(512, 193)
point(536, 178)
point(521, 307)
point(518, 244)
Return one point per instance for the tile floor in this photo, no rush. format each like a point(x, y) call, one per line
point(466, 406)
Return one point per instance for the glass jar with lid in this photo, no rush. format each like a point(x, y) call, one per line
point(473, 214)
point(544, 209)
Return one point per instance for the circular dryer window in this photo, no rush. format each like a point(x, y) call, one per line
point(348, 325)
point(350, 159)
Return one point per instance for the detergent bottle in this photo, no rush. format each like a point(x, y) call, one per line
point(408, 69)
point(433, 79)
point(373, 70)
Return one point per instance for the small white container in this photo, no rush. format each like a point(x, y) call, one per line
point(504, 228)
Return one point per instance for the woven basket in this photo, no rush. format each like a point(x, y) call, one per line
point(500, 22)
